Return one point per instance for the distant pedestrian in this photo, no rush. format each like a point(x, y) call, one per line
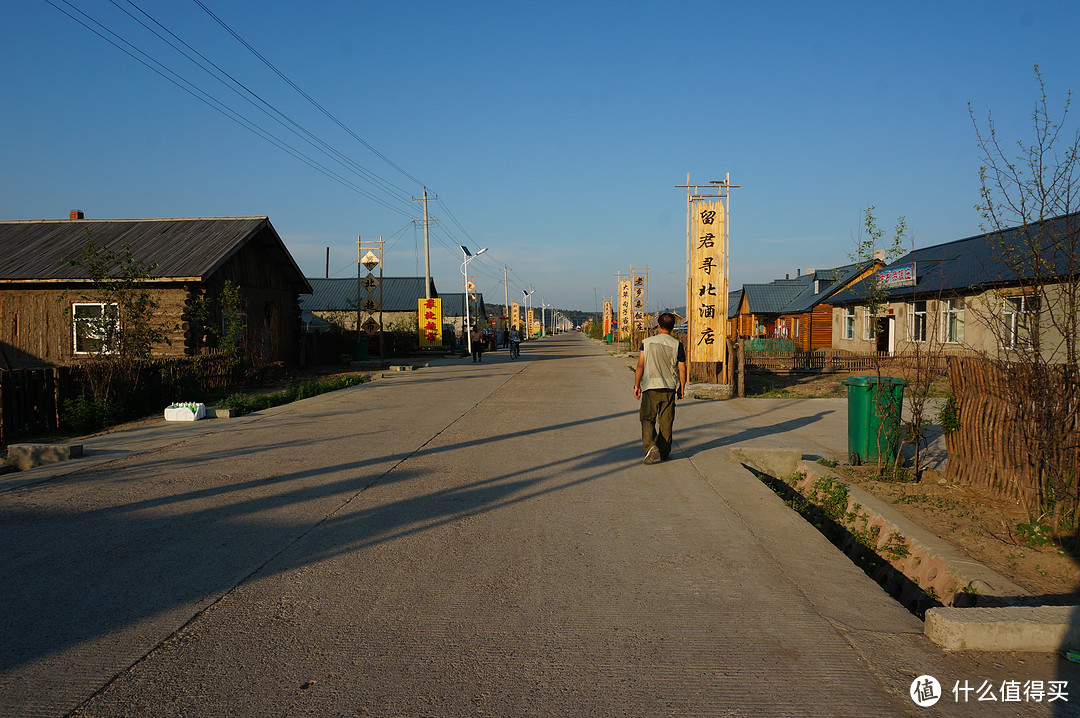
point(476, 338)
point(660, 378)
point(515, 343)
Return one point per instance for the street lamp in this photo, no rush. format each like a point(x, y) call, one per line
point(528, 329)
point(465, 296)
point(543, 325)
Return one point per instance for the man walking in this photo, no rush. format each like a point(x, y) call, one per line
point(660, 379)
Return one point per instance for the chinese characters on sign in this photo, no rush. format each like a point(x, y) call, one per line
point(607, 317)
point(707, 305)
point(515, 315)
point(897, 277)
point(430, 317)
point(640, 300)
point(624, 309)
point(369, 289)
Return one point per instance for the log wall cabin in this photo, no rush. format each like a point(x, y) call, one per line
point(42, 296)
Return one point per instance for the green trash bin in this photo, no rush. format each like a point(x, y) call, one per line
point(362, 348)
point(874, 412)
point(607, 337)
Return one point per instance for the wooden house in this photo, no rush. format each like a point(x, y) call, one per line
point(758, 306)
point(807, 320)
point(43, 298)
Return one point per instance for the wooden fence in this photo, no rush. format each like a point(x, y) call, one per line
point(834, 360)
point(993, 446)
point(31, 400)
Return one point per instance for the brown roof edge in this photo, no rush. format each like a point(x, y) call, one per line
point(127, 219)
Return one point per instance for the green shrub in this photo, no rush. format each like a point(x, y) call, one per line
point(82, 414)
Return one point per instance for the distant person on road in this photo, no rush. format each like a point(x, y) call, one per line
point(659, 380)
point(476, 338)
point(515, 343)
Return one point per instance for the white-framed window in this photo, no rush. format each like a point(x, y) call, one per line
point(917, 321)
point(849, 322)
point(952, 321)
point(95, 327)
point(796, 332)
point(1020, 316)
point(869, 325)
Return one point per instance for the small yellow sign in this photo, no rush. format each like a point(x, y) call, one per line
point(430, 320)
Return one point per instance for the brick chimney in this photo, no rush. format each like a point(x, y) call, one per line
point(76, 214)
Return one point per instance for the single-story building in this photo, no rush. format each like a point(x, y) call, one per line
point(453, 307)
point(807, 320)
point(335, 301)
point(758, 307)
point(48, 307)
point(997, 292)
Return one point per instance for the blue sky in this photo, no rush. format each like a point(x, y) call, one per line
point(553, 133)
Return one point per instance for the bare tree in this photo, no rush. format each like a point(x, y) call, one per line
point(870, 246)
point(1029, 202)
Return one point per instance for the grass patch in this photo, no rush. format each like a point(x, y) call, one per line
point(240, 404)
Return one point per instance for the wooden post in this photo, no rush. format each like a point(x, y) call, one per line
point(2, 407)
point(742, 368)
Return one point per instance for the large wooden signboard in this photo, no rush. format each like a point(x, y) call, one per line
point(707, 302)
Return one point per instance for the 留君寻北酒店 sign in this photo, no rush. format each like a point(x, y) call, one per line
point(707, 306)
point(896, 277)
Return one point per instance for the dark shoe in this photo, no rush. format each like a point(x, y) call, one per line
point(653, 455)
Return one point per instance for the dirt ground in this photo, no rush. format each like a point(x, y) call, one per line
point(979, 523)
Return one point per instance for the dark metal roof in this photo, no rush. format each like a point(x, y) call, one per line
point(186, 248)
point(454, 306)
point(826, 282)
point(978, 263)
point(772, 298)
point(733, 299)
point(399, 294)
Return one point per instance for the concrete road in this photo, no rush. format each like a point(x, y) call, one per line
point(466, 539)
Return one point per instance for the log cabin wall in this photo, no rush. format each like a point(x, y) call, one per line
point(819, 331)
point(36, 330)
point(272, 305)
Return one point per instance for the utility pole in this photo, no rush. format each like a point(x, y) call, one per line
point(427, 246)
point(506, 299)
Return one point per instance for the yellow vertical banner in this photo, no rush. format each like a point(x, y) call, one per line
point(624, 309)
point(515, 315)
point(707, 308)
point(531, 330)
point(640, 301)
point(607, 317)
point(429, 314)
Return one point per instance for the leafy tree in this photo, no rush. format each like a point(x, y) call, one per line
point(221, 317)
point(870, 245)
point(124, 329)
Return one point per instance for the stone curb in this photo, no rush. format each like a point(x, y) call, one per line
point(27, 456)
point(994, 623)
point(1009, 628)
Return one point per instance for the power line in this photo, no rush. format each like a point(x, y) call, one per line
point(305, 95)
point(206, 98)
point(392, 191)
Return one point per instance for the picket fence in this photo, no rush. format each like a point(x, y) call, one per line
point(993, 446)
